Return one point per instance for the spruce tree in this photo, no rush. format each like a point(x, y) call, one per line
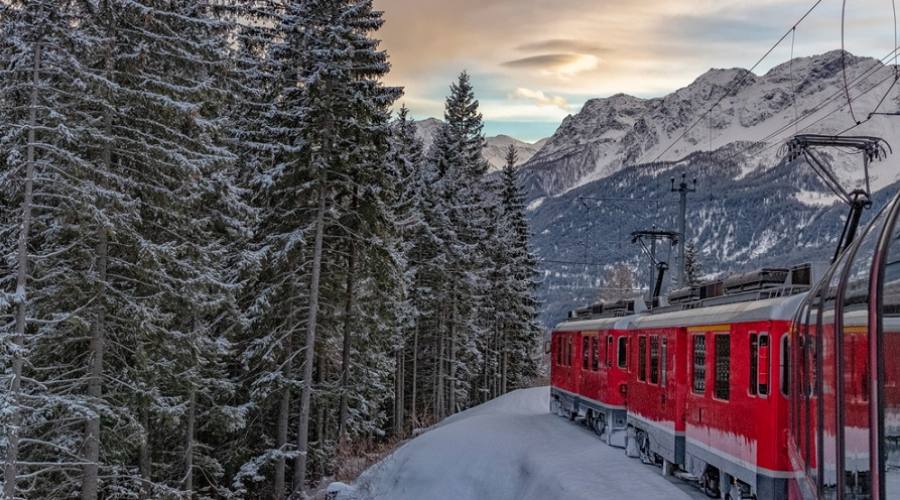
point(692, 270)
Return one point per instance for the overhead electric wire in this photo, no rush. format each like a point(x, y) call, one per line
point(858, 80)
point(736, 84)
point(844, 62)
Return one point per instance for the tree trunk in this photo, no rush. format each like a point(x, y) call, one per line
point(309, 355)
point(348, 334)
point(144, 463)
point(10, 473)
point(189, 441)
point(90, 483)
point(452, 364)
point(415, 356)
point(285, 405)
point(439, 387)
point(505, 360)
point(398, 392)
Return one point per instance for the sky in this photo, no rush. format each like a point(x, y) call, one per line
point(533, 62)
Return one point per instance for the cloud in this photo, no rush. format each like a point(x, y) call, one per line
point(540, 98)
point(542, 61)
point(563, 45)
point(561, 65)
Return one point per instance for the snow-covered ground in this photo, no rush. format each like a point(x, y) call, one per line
point(512, 448)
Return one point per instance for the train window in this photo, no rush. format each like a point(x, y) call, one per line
point(784, 365)
point(663, 357)
point(623, 352)
point(570, 351)
point(562, 351)
point(585, 353)
point(699, 372)
point(723, 366)
point(654, 359)
point(754, 360)
point(595, 353)
point(609, 350)
point(557, 350)
point(890, 352)
point(642, 358)
point(762, 370)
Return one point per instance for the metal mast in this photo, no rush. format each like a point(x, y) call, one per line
point(683, 189)
point(657, 268)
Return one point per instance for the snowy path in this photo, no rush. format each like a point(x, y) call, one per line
point(513, 448)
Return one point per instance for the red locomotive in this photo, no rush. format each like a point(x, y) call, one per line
point(766, 385)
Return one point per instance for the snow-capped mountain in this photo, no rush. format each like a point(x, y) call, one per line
point(596, 180)
point(611, 133)
point(494, 149)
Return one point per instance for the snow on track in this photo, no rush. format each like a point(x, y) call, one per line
point(511, 448)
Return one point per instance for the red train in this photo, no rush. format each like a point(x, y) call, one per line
point(767, 385)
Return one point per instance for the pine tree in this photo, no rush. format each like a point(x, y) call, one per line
point(618, 284)
point(49, 195)
point(520, 332)
point(692, 270)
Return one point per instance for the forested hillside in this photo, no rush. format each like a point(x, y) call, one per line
point(227, 268)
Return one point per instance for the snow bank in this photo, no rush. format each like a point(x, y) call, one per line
point(510, 448)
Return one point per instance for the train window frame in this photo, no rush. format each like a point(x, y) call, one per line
point(721, 386)
point(609, 350)
point(663, 353)
point(768, 362)
point(784, 365)
point(585, 352)
point(642, 358)
point(753, 386)
point(622, 353)
point(562, 351)
point(595, 353)
point(698, 384)
point(654, 359)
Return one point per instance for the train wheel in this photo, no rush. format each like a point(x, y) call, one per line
point(646, 455)
point(598, 425)
point(710, 482)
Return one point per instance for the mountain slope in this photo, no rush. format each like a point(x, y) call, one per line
point(596, 181)
point(761, 219)
point(494, 149)
point(611, 133)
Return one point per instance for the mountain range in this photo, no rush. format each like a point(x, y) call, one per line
point(607, 171)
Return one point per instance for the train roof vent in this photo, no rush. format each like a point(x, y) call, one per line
point(685, 294)
point(619, 307)
point(597, 309)
point(711, 289)
point(755, 280)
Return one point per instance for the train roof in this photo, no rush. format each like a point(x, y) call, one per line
point(779, 308)
point(607, 323)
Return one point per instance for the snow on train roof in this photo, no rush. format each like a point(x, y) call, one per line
point(609, 323)
point(780, 308)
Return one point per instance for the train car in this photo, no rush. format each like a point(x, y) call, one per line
point(600, 356)
point(656, 389)
point(726, 428)
point(844, 370)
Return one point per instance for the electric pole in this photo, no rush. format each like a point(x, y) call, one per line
point(683, 189)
